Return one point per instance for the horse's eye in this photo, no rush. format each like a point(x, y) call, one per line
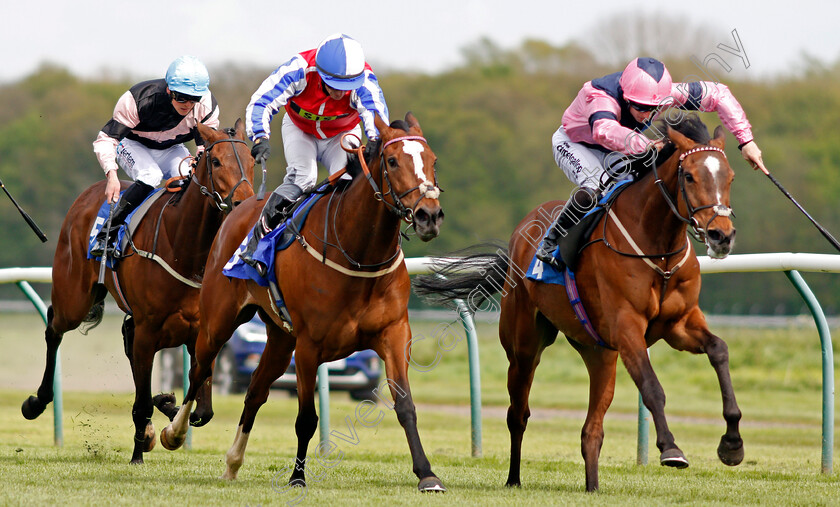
point(392, 161)
point(216, 162)
point(689, 178)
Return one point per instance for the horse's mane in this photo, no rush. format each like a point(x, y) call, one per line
point(354, 167)
point(690, 126)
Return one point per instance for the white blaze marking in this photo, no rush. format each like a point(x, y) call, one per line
point(415, 149)
point(713, 165)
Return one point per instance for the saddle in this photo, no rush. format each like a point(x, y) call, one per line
point(572, 244)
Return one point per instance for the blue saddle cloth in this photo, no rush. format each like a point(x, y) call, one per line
point(538, 271)
point(278, 239)
point(102, 219)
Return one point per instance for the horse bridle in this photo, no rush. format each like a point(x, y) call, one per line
point(225, 204)
point(428, 189)
point(697, 231)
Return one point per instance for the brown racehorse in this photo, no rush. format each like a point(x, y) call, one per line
point(163, 309)
point(354, 299)
point(633, 295)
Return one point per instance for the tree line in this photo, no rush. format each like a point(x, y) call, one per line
point(490, 122)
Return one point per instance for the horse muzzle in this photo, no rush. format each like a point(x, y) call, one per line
point(427, 220)
point(719, 243)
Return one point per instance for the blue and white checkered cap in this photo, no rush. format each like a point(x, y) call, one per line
point(341, 62)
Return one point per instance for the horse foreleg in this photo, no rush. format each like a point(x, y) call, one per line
point(273, 363)
point(306, 423)
point(144, 430)
point(731, 448)
point(600, 363)
point(173, 435)
point(204, 401)
point(35, 405)
point(396, 371)
point(633, 351)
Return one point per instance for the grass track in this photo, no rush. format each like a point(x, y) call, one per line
point(776, 375)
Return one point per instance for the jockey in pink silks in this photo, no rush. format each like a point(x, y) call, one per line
point(604, 124)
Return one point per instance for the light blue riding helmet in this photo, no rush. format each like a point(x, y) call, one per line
point(341, 62)
point(188, 75)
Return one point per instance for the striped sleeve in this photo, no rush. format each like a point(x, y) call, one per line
point(369, 100)
point(285, 82)
point(126, 117)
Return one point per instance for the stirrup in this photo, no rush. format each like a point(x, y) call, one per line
point(98, 249)
point(261, 268)
point(547, 257)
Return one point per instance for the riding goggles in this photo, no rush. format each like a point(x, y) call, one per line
point(183, 97)
point(642, 108)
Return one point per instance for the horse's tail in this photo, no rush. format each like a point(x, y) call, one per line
point(93, 318)
point(471, 278)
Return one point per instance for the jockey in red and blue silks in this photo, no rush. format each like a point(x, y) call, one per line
point(609, 115)
point(326, 93)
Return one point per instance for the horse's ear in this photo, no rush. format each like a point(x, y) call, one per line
point(720, 137)
point(205, 132)
point(411, 120)
point(683, 143)
point(239, 128)
point(380, 124)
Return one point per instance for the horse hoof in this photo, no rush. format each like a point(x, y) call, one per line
point(198, 420)
point(149, 438)
point(730, 452)
point(673, 458)
point(431, 485)
point(165, 402)
point(168, 440)
point(32, 407)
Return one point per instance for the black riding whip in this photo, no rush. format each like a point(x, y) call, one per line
point(827, 235)
point(104, 260)
point(26, 216)
point(261, 193)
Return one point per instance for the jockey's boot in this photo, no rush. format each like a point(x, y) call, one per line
point(581, 202)
point(129, 200)
point(272, 214)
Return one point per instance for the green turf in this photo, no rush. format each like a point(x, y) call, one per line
point(776, 374)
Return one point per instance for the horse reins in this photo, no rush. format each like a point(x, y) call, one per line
point(427, 190)
point(224, 204)
point(698, 232)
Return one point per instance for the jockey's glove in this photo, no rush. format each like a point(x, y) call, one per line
point(261, 151)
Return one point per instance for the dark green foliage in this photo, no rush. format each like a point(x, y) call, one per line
point(490, 123)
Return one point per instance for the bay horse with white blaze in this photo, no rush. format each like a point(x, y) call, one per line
point(345, 285)
point(639, 282)
point(163, 309)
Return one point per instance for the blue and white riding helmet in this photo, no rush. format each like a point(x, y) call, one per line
point(188, 76)
point(341, 62)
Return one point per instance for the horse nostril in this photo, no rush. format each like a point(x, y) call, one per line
point(421, 216)
point(718, 237)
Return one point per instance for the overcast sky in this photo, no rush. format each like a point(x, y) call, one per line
point(141, 37)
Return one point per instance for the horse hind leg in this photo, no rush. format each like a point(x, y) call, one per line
point(524, 340)
point(601, 365)
point(57, 325)
point(273, 363)
point(141, 367)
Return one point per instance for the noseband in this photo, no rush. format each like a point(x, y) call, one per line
point(697, 231)
point(224, 204)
